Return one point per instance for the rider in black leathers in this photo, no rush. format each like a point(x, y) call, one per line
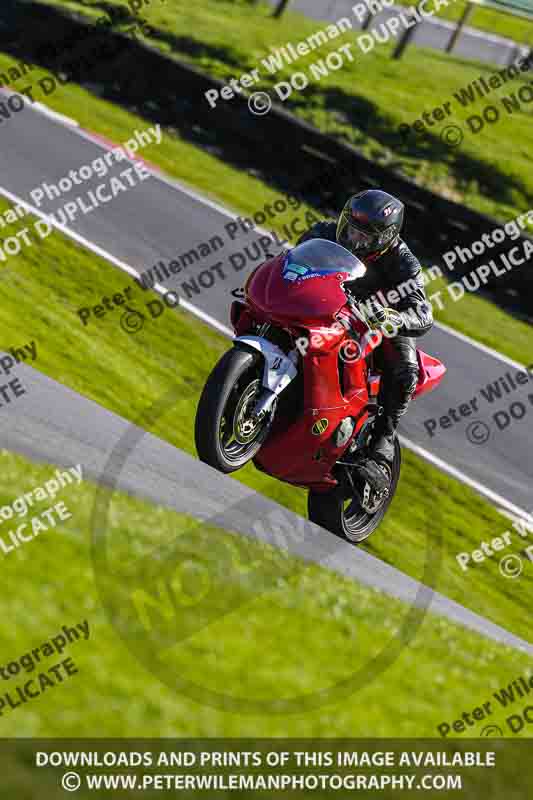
point(369, 226)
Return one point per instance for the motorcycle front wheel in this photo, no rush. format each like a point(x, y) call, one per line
point(340, 512)
point(227, 434)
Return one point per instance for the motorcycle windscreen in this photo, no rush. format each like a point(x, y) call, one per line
point(306, 284)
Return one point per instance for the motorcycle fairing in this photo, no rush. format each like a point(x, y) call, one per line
point(297, 453)
point(305, 283)
point(431, 373)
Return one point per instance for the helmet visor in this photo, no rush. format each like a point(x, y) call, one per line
point(355, 239)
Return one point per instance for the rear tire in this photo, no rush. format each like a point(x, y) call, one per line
point(227, 395)
point(328, 509)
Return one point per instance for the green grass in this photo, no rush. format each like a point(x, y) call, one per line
point(432, 519)
point(365, 102)
point(484, 18)
point(260, 645)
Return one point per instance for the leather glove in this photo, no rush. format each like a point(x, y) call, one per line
point(386, 319)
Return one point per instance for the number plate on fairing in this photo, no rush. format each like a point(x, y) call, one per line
point(279, 369)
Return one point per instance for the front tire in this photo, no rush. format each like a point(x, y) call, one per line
point(227, 435)
point(343, 515)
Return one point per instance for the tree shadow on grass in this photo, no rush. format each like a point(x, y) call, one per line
point(117, 13)
point(184, 45)
point(354, 113)
point(366, 117)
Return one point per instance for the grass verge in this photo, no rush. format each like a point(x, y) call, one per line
point(257, 647)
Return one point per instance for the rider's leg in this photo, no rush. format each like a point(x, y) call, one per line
point(400, 377)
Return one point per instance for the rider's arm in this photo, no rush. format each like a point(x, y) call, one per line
point(414, 306)
point(320, 230)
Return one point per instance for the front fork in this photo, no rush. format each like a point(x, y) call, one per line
point(278, 371)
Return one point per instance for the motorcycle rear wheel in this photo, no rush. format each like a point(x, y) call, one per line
point(227, 435)
point(341, 512)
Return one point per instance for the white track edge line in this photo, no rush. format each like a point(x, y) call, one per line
point(489, 494)
point(157, 287)
point(483, 347)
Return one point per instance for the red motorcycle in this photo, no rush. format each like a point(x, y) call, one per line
point(298, 391)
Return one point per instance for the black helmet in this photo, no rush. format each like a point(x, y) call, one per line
point(370, 223)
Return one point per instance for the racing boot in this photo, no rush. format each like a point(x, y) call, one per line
point(382, 445)
point(376, 468)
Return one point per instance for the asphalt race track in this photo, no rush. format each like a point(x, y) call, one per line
point(159, 220)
